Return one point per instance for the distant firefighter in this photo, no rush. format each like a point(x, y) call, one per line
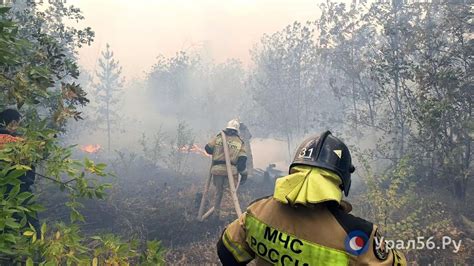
point(245, 134)
point(238, 159)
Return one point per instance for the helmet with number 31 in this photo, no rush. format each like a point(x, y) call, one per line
point(327, 152)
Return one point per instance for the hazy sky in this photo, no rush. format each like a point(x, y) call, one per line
point(139, 30)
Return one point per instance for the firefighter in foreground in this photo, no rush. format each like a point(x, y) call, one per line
point(306, 222)
point(238, 159)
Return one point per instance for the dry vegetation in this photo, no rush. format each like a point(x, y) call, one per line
point(153, 203)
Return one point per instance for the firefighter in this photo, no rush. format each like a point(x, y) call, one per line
point(9, 123)
point(305, 221)
point(238, 159)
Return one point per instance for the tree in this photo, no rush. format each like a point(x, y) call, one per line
point(107, 91)
point(199, 91)
point(413, 59)
point(345, 44)
point(288, 99)
point(37, 140)
point(224, 96)
point(32, 84)
point(410, 70)
point(441, 105)
point(423, 71)
point(180, 146)
point(33, 53)
point(170, 83)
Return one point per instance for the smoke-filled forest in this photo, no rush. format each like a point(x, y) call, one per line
point(120, 165)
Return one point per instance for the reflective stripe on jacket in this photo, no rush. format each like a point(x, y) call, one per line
point(273, 233)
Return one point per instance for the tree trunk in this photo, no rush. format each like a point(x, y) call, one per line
point(288, 145)
point(460, 188)
point(108, 127)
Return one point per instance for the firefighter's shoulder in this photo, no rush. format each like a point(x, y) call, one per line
point(259, 202)
point(349, 222)
point(241, 139)
point(374, 251)
point(236, 137)
point(377, 252)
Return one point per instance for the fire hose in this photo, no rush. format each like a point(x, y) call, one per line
point(232, 185)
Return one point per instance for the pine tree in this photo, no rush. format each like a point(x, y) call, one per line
point(107, 91)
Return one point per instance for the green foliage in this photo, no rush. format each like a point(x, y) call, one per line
point(154, 148)
point(392, 202)
point(17, 158)
point(401, 77)
point(123, 162)
point(112, 251)
point(388, 194)
point(345, 45)
point(181, 84)
point(169, 149)
point(60, 246)
point(64, 245)
point(402, 70)
point(154, 254)
point(407, 68)
point(284, 85)
point(170, 77)
point(36, 64)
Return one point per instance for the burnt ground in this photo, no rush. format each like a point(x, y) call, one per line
point(154, 203)
point(149, 202)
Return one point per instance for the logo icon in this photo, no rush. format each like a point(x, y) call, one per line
point(357, 243)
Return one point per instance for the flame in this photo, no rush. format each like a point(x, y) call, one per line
point(185, 148)
point(196, 149)
point(193, 149)
point(90, 148)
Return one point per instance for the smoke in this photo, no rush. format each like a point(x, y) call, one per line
point(194, 87)
point(266, 151)
point(140, 30)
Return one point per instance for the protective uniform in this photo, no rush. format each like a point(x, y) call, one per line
point(306, 222)
point(237, 156)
